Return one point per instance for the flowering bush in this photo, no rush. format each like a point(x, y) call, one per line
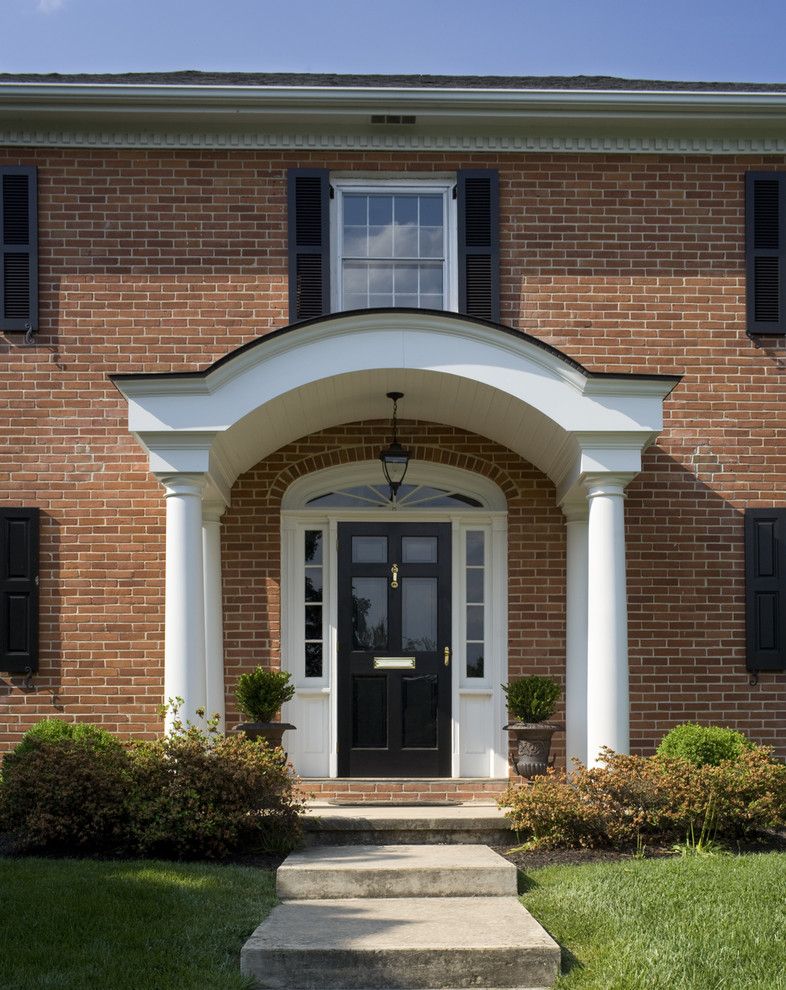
point(628, 797)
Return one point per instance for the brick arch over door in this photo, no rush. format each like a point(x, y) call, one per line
point(251, 541)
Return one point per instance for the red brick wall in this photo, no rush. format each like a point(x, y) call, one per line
point(158, 261)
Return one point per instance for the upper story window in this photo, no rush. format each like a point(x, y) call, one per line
point(393, 244)
point(360, 242)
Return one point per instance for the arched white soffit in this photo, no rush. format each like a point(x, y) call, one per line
point(487, 379)
point(446, 477)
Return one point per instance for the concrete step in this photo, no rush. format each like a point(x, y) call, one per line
point(406, 825)
point(395, 871)
point(421, 943)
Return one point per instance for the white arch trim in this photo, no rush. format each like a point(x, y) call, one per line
point(487, 492)
point(486, 379)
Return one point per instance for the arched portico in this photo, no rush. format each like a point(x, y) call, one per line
point(585, 431)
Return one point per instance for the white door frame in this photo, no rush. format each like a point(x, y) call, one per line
point(479, 743)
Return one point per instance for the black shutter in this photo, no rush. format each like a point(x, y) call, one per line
point(309, 243)
point(765, 588)
point(765, 251)
point(18, 590)
point(478, 243)
point(18, 248)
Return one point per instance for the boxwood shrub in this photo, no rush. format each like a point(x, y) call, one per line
point(703, 745)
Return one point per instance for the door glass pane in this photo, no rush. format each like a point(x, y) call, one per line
point(474, 585)
point(475, 622)
point(475, 548)
point(369, 549)
point(313, 546)
point(369, 712)
point(369, 613)
point(419, 712)
point(313, 622)
point(475, 664)
point(313, 659)
point(419, 614)
point(419, 549)
point(313, 584)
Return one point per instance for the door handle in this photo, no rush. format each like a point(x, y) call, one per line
point(394, 578)
point(447, 656)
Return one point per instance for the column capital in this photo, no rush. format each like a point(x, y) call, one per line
point(183, 484)
point(575, 509)
point(602, 483)
point(213, 509)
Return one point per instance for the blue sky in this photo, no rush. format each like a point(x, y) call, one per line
point(666, 39)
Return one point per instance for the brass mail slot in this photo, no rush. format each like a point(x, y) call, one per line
point(393, 663)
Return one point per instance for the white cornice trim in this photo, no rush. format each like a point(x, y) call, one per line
point(397, 140)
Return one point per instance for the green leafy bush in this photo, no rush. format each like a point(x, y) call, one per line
point(703, 744)
point(630, 797)
point(65, 795)
point(55, 730)
point(532, 699)
point(261, 693)
point(191, 794)
point(197, 796)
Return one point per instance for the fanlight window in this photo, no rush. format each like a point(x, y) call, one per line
point(409, 496)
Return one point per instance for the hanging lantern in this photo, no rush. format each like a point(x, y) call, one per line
point(394, 457)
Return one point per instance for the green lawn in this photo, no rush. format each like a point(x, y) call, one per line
point(85, 925)
point(692, 924)
point(696, 924)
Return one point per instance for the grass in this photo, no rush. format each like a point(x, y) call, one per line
point(138, 925)
point(700, 923)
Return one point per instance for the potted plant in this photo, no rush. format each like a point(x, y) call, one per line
point(260, 695)
point(531, 702)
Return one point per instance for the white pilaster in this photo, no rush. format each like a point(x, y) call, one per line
point(607, 617)
point(184, 645)
point(576, 631)
point(214, 608)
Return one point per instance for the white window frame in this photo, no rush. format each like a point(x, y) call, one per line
point(374, 186)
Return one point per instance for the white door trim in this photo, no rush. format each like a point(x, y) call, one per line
point(481, 752)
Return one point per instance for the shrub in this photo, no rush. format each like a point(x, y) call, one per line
point(703, 744)
point(197, 796)
point(261, 693)
point(532, 699)
point(65, 794)
point(55, 730)
point(190, 794)
point(628, 797)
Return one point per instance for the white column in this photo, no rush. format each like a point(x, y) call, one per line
point(184, 649)
point(607, 618)
point(214, 609)
point(576, 632)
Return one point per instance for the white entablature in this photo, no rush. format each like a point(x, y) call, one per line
point(490, 380)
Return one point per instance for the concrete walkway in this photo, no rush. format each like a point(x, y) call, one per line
point(420, 917)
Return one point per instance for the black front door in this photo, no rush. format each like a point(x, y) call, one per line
point(394, 649)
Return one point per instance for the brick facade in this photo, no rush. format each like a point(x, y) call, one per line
point(159, 261)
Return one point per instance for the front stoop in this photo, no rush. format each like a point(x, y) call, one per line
point(326, 825)
point(395, 871)
point(469, 932)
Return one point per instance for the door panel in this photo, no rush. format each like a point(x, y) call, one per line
point(394, 608)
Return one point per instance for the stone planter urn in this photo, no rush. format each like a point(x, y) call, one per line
point(271, 732)
point(533, 746)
